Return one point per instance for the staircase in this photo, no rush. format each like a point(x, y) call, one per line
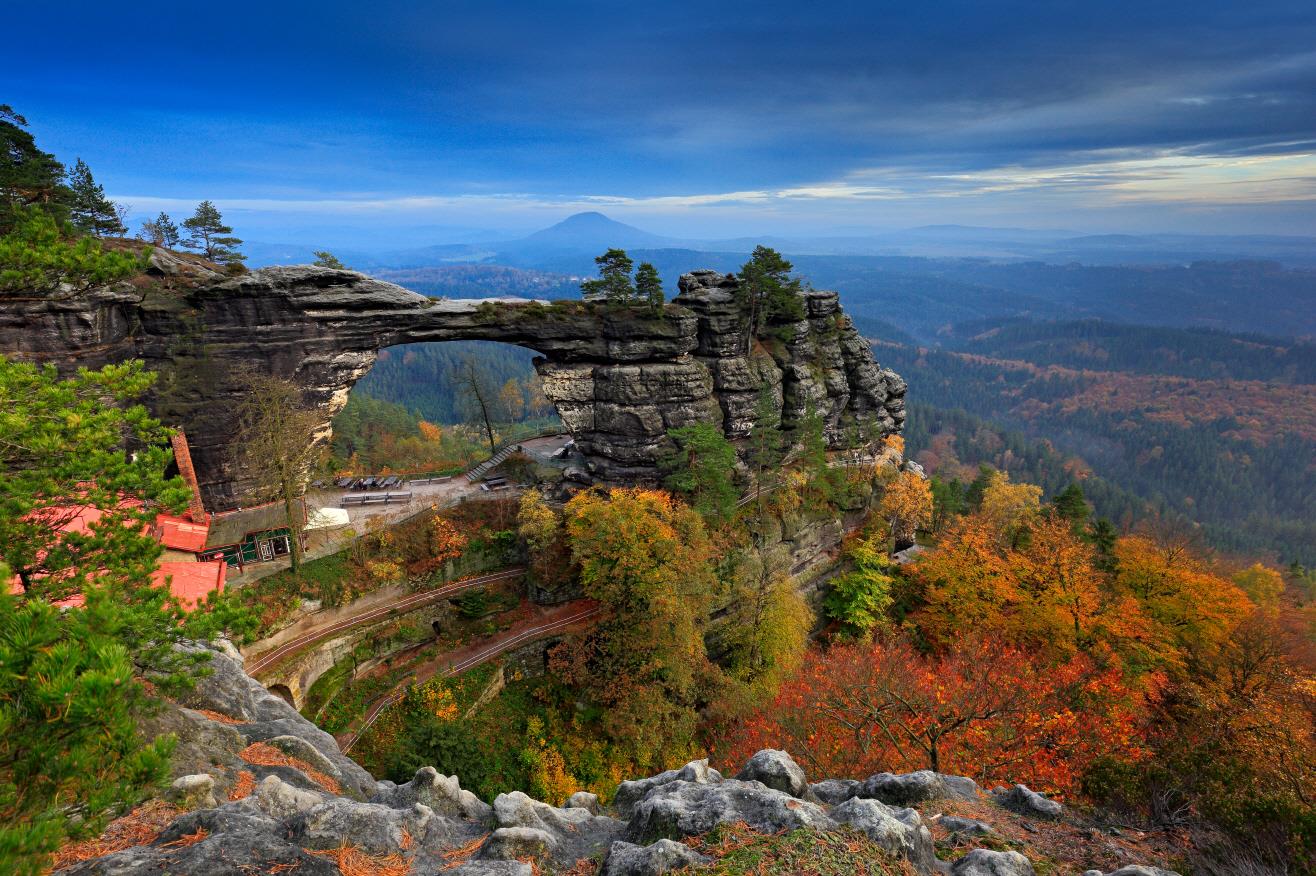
point(492, 462)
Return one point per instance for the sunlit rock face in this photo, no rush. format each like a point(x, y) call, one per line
point(621, 378)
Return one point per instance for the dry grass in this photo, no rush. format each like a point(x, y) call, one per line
point(190, 839)
point(352, 861)
point(460, 855)
point(583, 867)
point(264, 754)
point(137, 828)
point(1074, 843)
point(216, 716)
point(245, 784)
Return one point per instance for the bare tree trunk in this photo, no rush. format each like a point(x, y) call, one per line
point(471, 383)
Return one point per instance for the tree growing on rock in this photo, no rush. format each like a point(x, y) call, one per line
point(613, 284)
point(161, 231)
point(40, 254)
point(208, 234)
point(769, 293)
point(326, 259)
point(28, 175)
point(649, 286)
point(701, 468)
point(89, 209)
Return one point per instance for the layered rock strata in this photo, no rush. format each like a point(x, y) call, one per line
point(619, 377)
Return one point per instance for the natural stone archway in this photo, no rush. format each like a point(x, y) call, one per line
point(619, 377)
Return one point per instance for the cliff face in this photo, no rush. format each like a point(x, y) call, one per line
point(620, 378)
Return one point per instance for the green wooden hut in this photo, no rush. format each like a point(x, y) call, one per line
point(252, 535)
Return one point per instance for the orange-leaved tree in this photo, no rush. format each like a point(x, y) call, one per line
point(907, 506)
point(982, 708)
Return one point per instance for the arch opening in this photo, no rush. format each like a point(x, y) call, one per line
point(439, 407)
point(283, 692)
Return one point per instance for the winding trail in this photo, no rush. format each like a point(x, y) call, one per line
point(405, 604)
point(468, 657)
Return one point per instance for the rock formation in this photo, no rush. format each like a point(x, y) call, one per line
point(619, 377)
point(251, 814)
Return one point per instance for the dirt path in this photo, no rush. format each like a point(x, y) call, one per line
point(319, 626)
point(547, 622)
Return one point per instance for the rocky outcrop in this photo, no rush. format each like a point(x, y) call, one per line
point(294, 816)
point(619, 377)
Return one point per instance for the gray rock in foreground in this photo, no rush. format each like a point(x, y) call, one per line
point(906, 789)
point(833, 791)
point(678, 809)
point(777, 770)
point(900, 831)
point(1024, 801)
point(965, 826)
point(631, 792)
point(984, 862)
point(627, 859)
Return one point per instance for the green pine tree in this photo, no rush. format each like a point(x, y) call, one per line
point(769, 294)
point(326, 259)
point(38, 254)
point(649, 286)
point(27, 174)
point(701, 467)
point(1071, 504)
point(70, 679)
point(211, 237)
point(161, 231)
point(614, 282)
point(89, 209)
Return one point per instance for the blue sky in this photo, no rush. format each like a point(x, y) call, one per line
point(690, 119)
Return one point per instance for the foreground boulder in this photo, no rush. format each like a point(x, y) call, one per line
point(908, 789)
point(900, 831)
point(985, 862)
point(679, 809)
point(664, 856)
point(630, 792)
point(777, 770)
point(1027, 802)
point(294, 803)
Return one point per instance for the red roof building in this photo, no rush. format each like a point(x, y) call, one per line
point(190, 581)
point(181, 533)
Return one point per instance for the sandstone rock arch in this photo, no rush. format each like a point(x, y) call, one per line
point(619, 377)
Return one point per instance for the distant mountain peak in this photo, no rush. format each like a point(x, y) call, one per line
point(593, 230)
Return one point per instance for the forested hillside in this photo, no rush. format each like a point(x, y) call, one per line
point(1218, 428)
point(422, 377)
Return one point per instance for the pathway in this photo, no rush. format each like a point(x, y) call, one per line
point(459, 660)
point(320, 628)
